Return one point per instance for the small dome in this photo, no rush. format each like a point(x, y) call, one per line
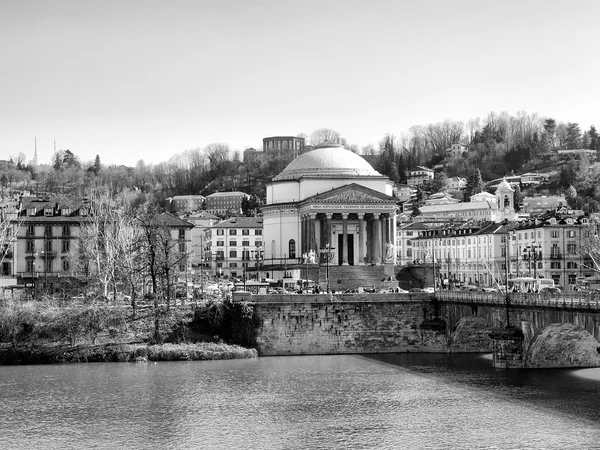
point(332, 160)
point(504, 186)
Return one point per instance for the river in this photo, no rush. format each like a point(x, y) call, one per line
point(406, 401)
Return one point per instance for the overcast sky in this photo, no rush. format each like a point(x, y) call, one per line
point(131, 80)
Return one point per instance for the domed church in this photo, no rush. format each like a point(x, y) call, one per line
point(329, 207)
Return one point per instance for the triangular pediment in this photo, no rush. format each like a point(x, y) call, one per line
point(351, 193)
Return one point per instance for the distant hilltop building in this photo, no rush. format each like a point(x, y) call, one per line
point(184, 203)
point(456, 150)
point(540, 205)
point(483, 206)
point(222, 203)
point(419, 176)
point(276, 146)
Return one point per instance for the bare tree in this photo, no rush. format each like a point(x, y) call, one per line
point(323, 135)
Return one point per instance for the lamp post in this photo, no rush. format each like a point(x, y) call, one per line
point(245, 266)
point(531, 253)
point(258, 257)
point(327, 251)
point(507, 273)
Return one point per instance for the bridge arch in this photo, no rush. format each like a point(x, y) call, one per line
point(470, 334)
point(562, 345)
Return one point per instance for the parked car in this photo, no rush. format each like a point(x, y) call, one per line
point(489, 289)
point(416, 290)
point(402, 291)
point(429, 290)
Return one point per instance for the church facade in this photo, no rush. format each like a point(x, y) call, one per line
point(330, 205)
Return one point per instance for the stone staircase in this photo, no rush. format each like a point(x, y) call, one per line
point(352, 277)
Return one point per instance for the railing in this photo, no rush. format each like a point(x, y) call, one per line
point(575, 300)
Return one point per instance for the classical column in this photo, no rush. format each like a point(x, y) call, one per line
point(313, 242)
point(394, 225)
point(345, 240)
point(361, 238)
point(302, 234)
point(377, 244)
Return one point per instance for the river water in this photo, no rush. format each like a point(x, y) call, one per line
point(406, 401)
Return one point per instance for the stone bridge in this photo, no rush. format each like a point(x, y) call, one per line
point(546, 331)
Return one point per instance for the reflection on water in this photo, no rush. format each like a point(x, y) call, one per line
point(323, 402)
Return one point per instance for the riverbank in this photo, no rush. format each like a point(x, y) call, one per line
point(122, 352)
point(49, 331)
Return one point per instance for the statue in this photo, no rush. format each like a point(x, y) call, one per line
point(390, 251)
point(311, 256)
point(304, 258)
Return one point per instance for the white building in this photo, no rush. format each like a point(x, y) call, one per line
point(456, 150)
point(419, 176)
point(330, 198)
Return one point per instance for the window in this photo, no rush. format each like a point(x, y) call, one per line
point(258, 243)
point(571, 249)
point(220, 255)
point(245, 232)
point(30, 245)
point(233, 243)
point(182, 247)
point(555, 265)
point(554, 233)
point(292, 248)
point(232, 264)
point(220, 243)
point(409, 252)
point(571, 233)
point(571, 265)
point(65, 265)
point(66, 246)
point(245, 243)
point(48, 230)
point(220, 232)
point(556, 278)
point(66, 230)
point(233, 254)
point(409, 233)
point(30, 230)
point(49, 265)
point(182, 233)
point(48, 245)
point(232, 232)
point(258, 232)
point(572, 278)
point(30, 265)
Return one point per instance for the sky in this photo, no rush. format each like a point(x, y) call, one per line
point(132, 80)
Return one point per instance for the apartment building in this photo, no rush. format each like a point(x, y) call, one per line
point(236, 247)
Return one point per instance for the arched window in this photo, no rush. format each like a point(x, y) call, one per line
point(292, 248)
point(273, 249)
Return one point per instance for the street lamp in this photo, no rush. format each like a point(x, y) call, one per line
point(244, 259)
point(531, 253)
point(258, 255)
point(328, 252)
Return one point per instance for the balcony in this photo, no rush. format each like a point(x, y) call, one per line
point(556, 255)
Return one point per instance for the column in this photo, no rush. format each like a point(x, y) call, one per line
point(377, 244)
point(345, 240)
point(361, 238)
point(313, 242)
point(394, 225)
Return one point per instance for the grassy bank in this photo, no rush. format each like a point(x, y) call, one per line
point(58, 354)
point(48, 331)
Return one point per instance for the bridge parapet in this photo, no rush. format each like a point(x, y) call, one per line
point(567, 300)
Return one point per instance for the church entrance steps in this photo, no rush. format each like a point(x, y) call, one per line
point(342, 278)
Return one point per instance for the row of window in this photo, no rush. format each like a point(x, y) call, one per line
point(49, 265)
point(234, 243)
point(234, 232)
point(66, 230)
point(30, 246)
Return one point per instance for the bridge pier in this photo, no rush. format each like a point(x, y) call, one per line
point(507, 348)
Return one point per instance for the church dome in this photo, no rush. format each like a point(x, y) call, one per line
point(328, 161)
point(504, 186)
